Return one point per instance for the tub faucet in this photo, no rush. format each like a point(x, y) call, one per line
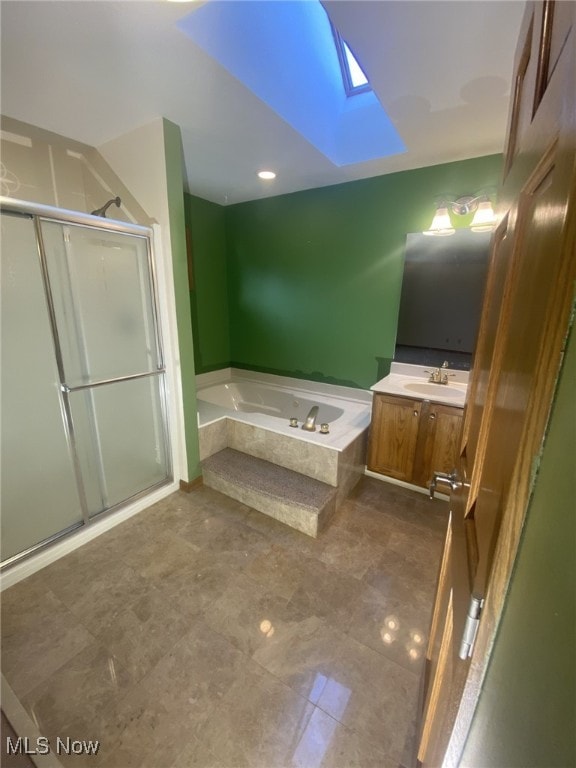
point(310, 423)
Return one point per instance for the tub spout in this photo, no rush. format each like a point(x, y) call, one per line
point(310, 423)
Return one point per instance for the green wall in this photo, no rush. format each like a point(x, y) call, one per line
point(205, 224)
point(314, 277)
point(175, 185)
point(526, 714)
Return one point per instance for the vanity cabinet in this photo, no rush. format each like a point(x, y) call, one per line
point(410, 439)
point(393, 436)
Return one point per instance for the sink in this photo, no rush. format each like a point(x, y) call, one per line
point(435, 390)
point(453, 393)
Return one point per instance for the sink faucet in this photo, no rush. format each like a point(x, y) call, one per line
point(310, 423)
point(440, 375)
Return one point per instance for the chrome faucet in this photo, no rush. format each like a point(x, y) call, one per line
point(440, 375)
point(310, 423)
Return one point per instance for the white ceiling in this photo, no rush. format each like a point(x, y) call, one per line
point(92, 71)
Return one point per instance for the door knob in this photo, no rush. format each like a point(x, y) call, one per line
point(451, 479)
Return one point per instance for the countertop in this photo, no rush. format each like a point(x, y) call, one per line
point(412, 381)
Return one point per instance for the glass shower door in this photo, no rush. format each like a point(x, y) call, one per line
point(39, 493)
point(112, 369)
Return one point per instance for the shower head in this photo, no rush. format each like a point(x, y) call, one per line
point(102, 211)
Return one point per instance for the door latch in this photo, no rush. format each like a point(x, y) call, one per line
point(470, 627)
point(451, 479)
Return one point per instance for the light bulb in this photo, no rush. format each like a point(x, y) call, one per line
point(484, 218)
point(441, 225)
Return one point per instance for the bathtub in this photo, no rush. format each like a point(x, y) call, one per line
point(254, 397)
point(251, 412)
point(270, 402)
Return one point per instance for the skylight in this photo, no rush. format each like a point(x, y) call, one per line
point(353, 76)
point(273, 49)
point(357, 75)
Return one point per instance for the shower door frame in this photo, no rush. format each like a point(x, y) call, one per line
point(38, 213)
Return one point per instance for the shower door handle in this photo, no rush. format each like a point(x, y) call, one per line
point(104, 382)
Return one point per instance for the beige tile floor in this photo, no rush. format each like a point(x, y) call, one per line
point(201, 633)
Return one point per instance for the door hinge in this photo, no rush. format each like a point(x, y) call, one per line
point(471, 627)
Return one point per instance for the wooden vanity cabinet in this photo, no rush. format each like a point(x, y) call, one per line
point(393, 436)
point(410, 439)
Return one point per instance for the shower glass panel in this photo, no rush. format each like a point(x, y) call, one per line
point(103, 302)
point(39, 496)
point(127, 450)
point(103, 298)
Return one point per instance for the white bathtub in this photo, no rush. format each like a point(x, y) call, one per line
point(251, 412)
point(253, 397)
point(271, 401)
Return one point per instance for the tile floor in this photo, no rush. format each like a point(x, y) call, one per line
point(201, 633)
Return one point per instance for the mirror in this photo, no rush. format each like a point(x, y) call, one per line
point(441, 299)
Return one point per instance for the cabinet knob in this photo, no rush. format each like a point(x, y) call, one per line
point(432, 416)
point(415, 413)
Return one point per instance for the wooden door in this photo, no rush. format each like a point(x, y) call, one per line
point(522, 331)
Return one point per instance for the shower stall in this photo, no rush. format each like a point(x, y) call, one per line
point(84, 419)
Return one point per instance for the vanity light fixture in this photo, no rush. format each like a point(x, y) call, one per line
point(266, 175)
point(484, 218)
point(441, 225)
point(483, 221)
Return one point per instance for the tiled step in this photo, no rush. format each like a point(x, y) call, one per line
point(296, 500)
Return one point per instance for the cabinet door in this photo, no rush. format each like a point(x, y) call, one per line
point(393, 436)
point(439, 441)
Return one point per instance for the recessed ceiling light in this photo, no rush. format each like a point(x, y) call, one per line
point(266, 175)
